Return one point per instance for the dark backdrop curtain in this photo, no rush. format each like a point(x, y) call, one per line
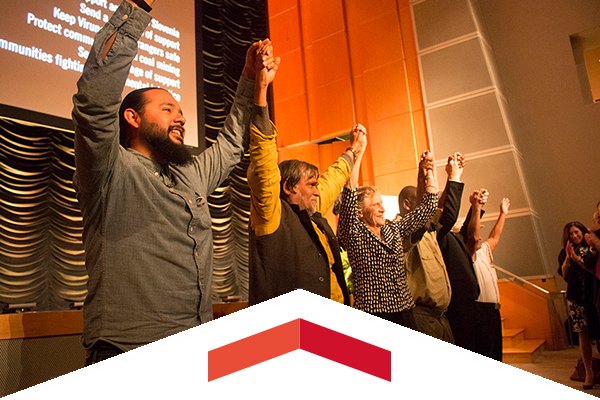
point(41, 254)
point(229, 27)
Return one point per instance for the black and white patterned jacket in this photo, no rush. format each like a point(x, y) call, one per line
point(378, 264)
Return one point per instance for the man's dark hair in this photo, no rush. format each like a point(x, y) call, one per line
point(406, 193)
point(291, 172)
point(135, 100)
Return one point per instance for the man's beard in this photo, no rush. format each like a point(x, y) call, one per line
point(163, 146)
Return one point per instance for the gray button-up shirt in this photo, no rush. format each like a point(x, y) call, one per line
point(147, 227)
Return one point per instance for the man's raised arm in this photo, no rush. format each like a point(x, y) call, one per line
point(111, 40)
point(477, 199)
point(451, 197)
point(496, 231)
point(96, 103)
point(263, 173)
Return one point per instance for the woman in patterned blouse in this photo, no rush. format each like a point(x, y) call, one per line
point(374, 246)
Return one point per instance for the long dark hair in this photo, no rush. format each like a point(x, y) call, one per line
point(566, 229)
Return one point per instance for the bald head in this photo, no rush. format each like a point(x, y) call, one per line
point(407, 199)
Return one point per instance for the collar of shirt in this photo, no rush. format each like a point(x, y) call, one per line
point(157, 169)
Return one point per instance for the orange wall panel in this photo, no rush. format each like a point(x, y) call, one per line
point(386, 91)
point(360, 103)
point(337, 148)
point(306, 152)
point(279, 6)
point(391, 184)
point(321, 19)
point(326, 156)
point(359, 64)
point(420, 132)
point(331, 109)
point(414, 83)
point(327, 61)
point(285, 31)
point(359, 11)
point(291, 118)
point(375, 43)
point(366, 168)
point(392, 145)
point(291, 77)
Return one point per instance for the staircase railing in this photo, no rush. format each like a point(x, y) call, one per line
point(557, 330)
point(540, 291)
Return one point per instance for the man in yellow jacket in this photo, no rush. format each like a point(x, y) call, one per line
point(291, 245)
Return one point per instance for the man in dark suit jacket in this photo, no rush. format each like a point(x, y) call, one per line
point(459, 265)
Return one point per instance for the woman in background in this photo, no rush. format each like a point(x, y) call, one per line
point(577, 265)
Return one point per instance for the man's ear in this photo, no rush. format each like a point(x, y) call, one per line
point(406, 204)
point(286, 188)
point(132, 117)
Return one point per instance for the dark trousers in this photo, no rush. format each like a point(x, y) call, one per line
point(488, 330)
point(101, 351)
point(461, 316)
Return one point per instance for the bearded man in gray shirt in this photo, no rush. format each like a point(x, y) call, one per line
point(147, 228)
